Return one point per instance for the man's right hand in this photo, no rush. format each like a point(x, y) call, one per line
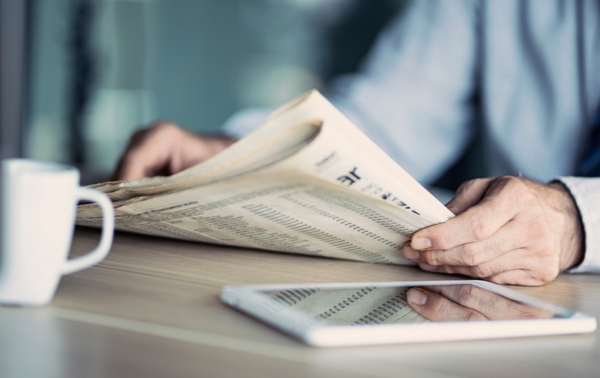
point(164, 149)
point(451, 303)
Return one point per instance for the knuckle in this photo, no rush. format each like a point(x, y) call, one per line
point(471, 184)
point(481, 271)
point(131, 156)
point(525, 313)
point(471, 316)
point(471, 255)
point(442, 240)
point(446, 269)
point(437, 309)
point(161, 129)
point(465, 295)
point(466, 185)
point(478, 228)
point(431, 258)
point(519, 191)
point(509, 180)
point(498, 279)
point(538, 228)
point(163, 125)
point(548, 275)
point(480, 181)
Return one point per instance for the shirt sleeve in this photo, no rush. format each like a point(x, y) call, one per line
point(413, 95)
point(244, 122)
point(586, 192)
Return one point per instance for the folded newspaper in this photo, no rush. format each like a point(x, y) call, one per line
point(306, 181)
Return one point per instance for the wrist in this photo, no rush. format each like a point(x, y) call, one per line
point(572, 242)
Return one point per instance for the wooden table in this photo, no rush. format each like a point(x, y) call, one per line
point(151, 309)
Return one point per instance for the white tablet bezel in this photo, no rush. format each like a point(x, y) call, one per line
point(302, 327)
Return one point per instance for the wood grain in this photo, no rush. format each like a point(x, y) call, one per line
point(151, 309)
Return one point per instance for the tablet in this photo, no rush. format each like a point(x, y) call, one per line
point(345, 314)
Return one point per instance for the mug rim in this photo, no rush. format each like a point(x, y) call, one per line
point(31, 165)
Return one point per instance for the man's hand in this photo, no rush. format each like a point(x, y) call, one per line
point(165, 149)
point(467, 303)
point(508, 230)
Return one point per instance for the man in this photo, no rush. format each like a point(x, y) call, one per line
point(529, 70)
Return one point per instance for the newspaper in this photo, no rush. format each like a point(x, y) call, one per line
point(307, 181)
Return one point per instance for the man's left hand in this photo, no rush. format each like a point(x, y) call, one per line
point(508, 230)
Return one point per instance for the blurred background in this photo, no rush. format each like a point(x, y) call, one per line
point(100, 69)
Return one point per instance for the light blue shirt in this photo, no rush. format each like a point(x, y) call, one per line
point(533, 66)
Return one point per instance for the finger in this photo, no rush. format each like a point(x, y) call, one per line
point(468, 194)
point(134, 140)
point(149, 152)
point(140, 163)
point(194, 149)
point(540, 269)
point(522, 277)
point(484, 271)
point(512, 236)
point(436, 307)
point(491, 305)
point(478, 222)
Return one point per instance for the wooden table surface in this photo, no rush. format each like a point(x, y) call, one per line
point(151, 309)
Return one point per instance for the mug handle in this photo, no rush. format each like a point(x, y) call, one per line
point(108, 225)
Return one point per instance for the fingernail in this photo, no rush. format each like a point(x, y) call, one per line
point(417, 297)
point(420, 243)
point(428, 267)
point(410, 253)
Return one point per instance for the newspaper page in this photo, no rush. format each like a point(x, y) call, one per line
point(311, 189)
point(311, 107)
point(286, 213)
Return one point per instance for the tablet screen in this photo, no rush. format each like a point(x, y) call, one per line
point(387, 305)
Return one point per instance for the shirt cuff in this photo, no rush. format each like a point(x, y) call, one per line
point(586, 192)
point(244, 122)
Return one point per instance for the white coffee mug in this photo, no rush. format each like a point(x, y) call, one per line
point(38, 219)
